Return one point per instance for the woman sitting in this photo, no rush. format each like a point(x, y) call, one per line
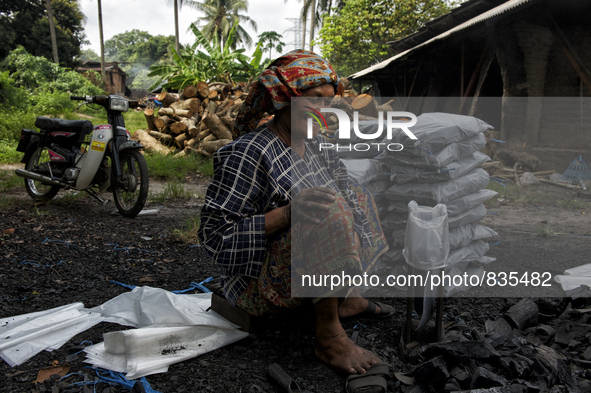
point(276, 199)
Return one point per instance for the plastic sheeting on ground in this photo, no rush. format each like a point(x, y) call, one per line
point(173, 328)
point(24, 336)
point(575, 277)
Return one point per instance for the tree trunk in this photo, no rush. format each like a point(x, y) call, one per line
point(203, 90)
point(190, 91)
point(149, 115)
point(56, 59)
point(217, 127)
point(191, 104)
point(211, 147)
point(312, 24)
point(164, 138)
point(150, 143)
point(178, 128)
point(176, 25)
point(162, 122)
point(192, 129)
point(100, 17)
point(166, 99)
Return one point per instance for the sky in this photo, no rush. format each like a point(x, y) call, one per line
point(157, 17)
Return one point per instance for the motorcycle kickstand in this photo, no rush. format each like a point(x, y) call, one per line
point(93, 194)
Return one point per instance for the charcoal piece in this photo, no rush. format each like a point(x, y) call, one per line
point(434, 371)
point(497, 340)
point(451, 385)
point(483, 378)
point(545, 333)
point(550, 308)
point(479, 349)
point(567, 331)
point(499, 325)
point(461, 374)
point(518, 366)
point(523, 314)
point(580, 297)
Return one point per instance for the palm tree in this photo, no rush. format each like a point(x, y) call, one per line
point(271, 40)
point(316, 9)
point(100, 17)
point(56, 59)
point(178, 4)
point(220, 16)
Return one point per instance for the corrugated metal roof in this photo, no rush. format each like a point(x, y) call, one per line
point(501, 9)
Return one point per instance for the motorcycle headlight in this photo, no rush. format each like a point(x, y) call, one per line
point(119, 104)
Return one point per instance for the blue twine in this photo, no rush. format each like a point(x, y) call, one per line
point(495, 244)
point(83, 342)
point(196, 245)
point(195, 285)
point(57, 241)
point(26, 262)
point(118, 249)
point(496, 140)
point(359, 324)
point(132, 287)
point(496, 181)
point(114, 378)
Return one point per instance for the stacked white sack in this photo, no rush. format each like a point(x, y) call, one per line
point(438, 167)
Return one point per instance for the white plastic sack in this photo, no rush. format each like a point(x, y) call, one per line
point(465, 234)
point(453, 152)
point(426, 243)
point(575, 277)
point(473, 267)
point(469, 216)
point(366, 170)
point(435, 193)
point(24, 336)
point(147, 351)
point(401, 174)
point(147, 306)
point(528, 178)
point(346, 149)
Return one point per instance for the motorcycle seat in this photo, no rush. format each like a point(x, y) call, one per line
point(77, 126)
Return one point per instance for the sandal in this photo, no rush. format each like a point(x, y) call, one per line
point(375, 380)
point(370, 311)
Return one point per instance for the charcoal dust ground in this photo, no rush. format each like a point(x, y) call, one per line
point(76, 246)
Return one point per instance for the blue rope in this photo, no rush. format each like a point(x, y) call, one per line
point(495, 244)
point(195, 285)
point(496, 140)
point(132, 287)
point(120, 248)
point(496, 181)
point(57, 241)
point(113, 378)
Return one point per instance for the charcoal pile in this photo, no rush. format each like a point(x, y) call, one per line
point(526, 349)
point(197, 121)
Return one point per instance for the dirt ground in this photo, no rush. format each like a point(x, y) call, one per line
point(541, 236)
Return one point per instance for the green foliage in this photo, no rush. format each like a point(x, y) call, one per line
point(9, 94)
point(189, 232)
point(174, 169)
point(222, 16)
point(89, 54)
point(25, 23)
point(8, 180)
point(8, 153)
point(36, 72)
point(217, 63)
point(357, 36)
point(271, 40)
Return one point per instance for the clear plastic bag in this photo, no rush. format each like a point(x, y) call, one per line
point(426, 244)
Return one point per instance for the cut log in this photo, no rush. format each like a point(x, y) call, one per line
point(166, 98)
point(212, 107)
point(213, 95)
point(191, 128)
point(183, 113)
point(202, 90)
point(228, 122)
point(166, 112)
point(150, 143)
point(163, 122)
point(192, 142)
point(164, 138)
point(238, 94)
point(209, 138)
point(365, 104)
point(192, 104)
point(387, 107)
point(149, 115)
point(190, 149)
point(202, 134)
point(190, 91)
point(217, 127)
point(211, 147)
point(180, 141)
point(178, 127)
point(523, 315)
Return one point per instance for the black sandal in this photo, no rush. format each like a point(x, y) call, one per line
point(375, 380)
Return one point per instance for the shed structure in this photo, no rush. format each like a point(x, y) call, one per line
point(521, 65)
point(114, 76)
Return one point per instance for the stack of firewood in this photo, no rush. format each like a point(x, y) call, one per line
point(198, 120)
point(349, 100)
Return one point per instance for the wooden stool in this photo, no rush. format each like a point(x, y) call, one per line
point(248, 323)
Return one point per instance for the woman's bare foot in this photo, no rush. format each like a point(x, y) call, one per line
point(341, 353)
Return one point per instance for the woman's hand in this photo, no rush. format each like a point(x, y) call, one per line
point(311, 205)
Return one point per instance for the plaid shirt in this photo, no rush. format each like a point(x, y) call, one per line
point(253, 175)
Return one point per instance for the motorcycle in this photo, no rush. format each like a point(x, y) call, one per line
point(72, 154)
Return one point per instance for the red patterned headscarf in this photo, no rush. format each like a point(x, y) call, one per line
point(287, 77)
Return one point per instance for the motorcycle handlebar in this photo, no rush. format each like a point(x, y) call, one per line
point(77, 98)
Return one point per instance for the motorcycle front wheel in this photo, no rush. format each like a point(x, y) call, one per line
point(38, 161)
point(131, 191)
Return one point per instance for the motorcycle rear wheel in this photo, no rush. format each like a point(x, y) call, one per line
point(36, 159)
point(131, 192)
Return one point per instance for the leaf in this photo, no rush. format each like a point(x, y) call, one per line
point(9, 231)
point(46, 373)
